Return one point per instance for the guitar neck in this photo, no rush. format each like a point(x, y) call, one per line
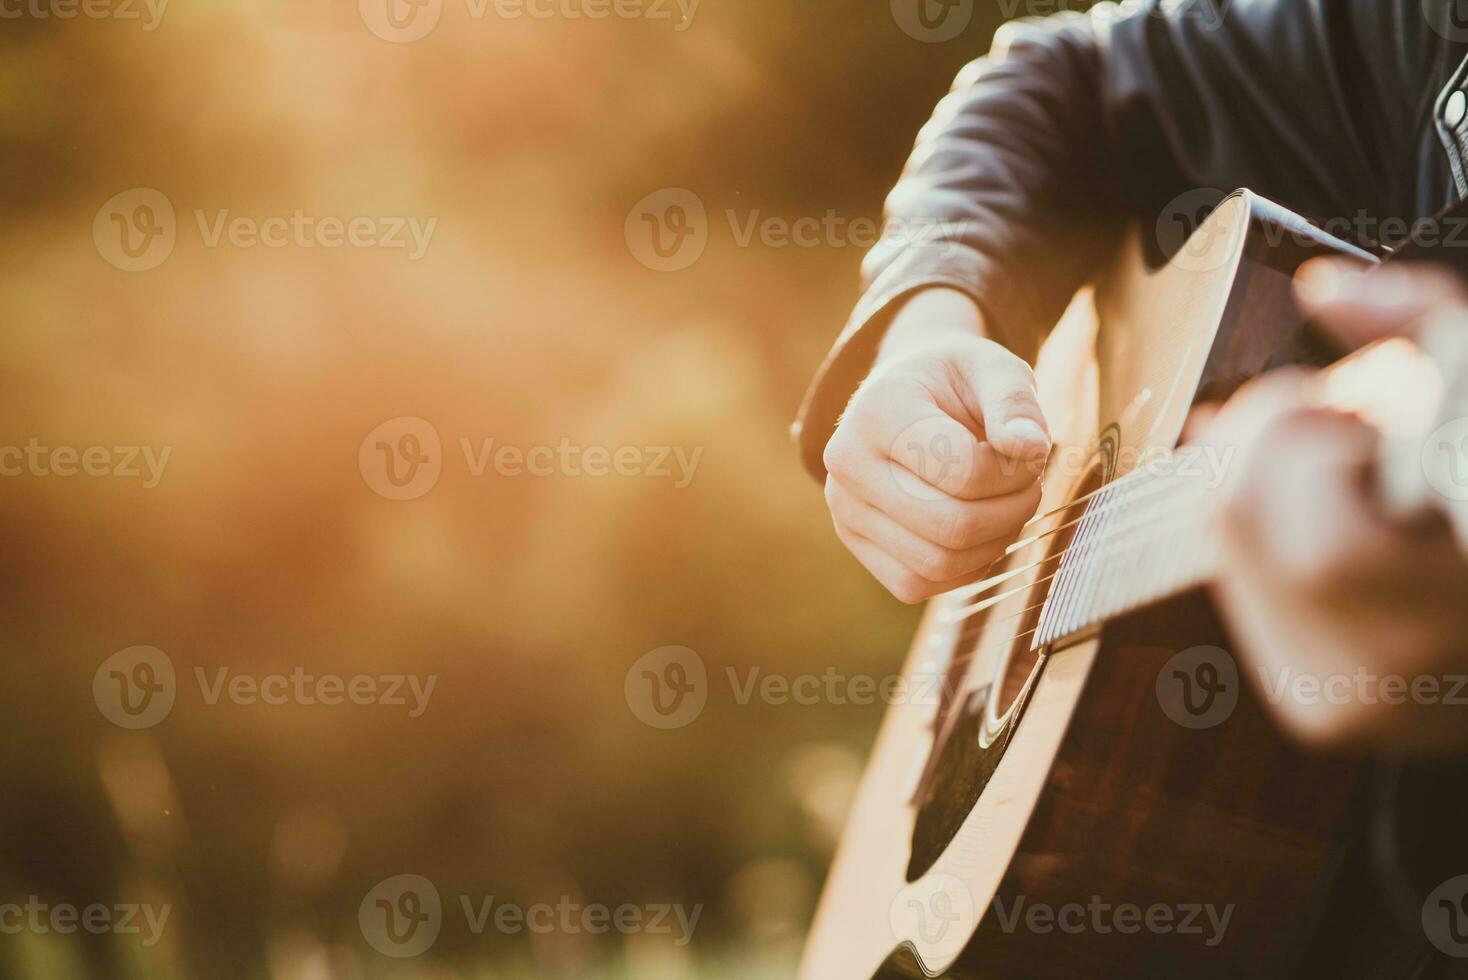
point(1144, 537)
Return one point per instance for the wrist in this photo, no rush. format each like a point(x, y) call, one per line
point(929, 316)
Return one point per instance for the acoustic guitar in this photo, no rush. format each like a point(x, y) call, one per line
point(1080, 783)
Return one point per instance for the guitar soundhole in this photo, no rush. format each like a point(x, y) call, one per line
point(982, 712)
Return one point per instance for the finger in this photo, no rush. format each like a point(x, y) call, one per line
point(895, 577)
point(1237, 425)
point(1301, 511)
point(1357, 304)
point(1200, 418)
point(948, 464)
point(947, 521)
point(932, 562)
point(935, 454)
point(1000, 391)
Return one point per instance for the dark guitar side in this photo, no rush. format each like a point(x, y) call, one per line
point(1141, 810)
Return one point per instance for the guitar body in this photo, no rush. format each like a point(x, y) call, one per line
point(1010, 822)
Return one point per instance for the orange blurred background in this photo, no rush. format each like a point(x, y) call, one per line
point(533, 317)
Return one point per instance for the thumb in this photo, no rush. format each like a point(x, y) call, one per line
point(1003, 387)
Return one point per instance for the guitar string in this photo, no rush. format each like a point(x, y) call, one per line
point(987, 584)
point(1106, 535)
point(992, 639)
point(1121, 501)
point(1079, 500)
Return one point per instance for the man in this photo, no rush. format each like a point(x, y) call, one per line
point(1044, 150)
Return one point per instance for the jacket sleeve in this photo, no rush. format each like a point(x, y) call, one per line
point(1022, 180)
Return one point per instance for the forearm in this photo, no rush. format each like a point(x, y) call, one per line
point(1012, 193)
point(993, 224)
point(928, 317)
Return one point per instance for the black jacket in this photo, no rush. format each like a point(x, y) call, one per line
point(1344, 111)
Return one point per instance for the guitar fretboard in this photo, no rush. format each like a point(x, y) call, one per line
point(1144, 537)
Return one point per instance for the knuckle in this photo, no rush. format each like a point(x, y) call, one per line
point(839, 455)
point(941, 564)
point(846, 536)
point(959, 530)
point(909, 589)
point(1017, 400)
